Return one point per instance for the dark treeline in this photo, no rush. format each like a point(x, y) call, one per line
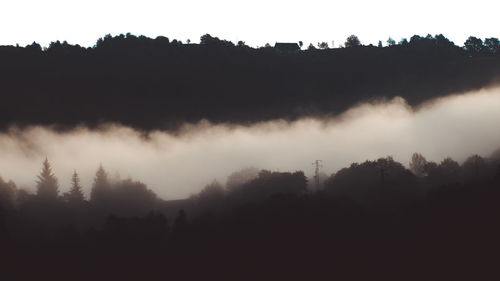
point(159, 83)
point(371, 219)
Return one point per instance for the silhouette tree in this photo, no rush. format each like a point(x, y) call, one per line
point(34, 47)
point(63, 49)
point(239, 178)
point(162, 41)
point(352, 41)
point(473, 45)
point(270, 183)
point(391, 42)
point(323, 45)
point(211, 195)
point(449, 164)
point(492, 45)
point(311, 47)
point(448, 171)
point(365, 180)
point(47, 184)
point(474, 167)
point(415, 39)
point(75, 194)
point(208, 40)
point(443, 42)
point(417, 164)
point(8, 192)
point(301, 44)
point(214, 190)
point(128, 197)
point(101, 187)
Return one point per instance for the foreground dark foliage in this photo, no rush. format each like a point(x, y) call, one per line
point(271, 228)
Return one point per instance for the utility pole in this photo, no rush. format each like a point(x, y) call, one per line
point(317, 165)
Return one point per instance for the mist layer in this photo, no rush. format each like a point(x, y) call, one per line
point(178, 164)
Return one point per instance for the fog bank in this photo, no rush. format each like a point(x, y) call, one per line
point(178, 164)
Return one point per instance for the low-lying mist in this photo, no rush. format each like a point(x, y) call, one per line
point(178, 164)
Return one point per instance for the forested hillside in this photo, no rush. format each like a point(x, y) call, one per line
point(157, 83)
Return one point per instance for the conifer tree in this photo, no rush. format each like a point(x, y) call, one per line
point(100, 188)
point(76, 192)
point(47, 185)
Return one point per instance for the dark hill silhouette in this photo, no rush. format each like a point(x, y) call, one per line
point(266, 227)
point(158, 83)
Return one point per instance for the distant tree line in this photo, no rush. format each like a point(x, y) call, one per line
point(360, 181)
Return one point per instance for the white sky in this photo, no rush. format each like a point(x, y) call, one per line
point(256, 22)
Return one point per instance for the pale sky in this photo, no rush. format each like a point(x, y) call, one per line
point(257, 22)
